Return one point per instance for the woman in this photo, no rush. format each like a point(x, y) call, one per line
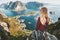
point(42, 23)
point(43, 20)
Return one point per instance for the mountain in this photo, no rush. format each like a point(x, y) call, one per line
point(33, 5)
point(16, 6)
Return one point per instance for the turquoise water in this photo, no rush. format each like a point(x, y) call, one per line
point(9, 13)
point(29, 21)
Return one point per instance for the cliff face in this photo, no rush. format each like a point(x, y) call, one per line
point(3, 27)
point(54, 29)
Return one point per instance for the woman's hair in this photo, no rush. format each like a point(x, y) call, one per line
point(45, 11)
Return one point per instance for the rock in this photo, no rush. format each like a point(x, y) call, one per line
point(38, 35)
point(50, 37)
point(4, 35)
point(5, 26)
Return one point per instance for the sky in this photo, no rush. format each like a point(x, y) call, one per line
point(41, 1)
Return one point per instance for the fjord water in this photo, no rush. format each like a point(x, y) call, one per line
point(30, 21)
point(8, 12)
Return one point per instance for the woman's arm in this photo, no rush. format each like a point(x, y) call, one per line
point(37, 24)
